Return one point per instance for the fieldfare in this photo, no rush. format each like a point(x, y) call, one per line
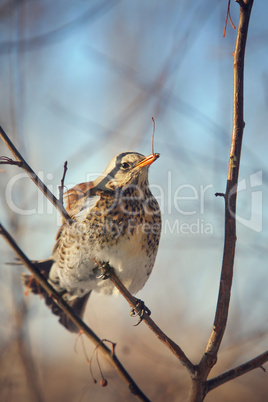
point(116, 220)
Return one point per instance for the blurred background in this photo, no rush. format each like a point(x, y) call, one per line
point(80, 81)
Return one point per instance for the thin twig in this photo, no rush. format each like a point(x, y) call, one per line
point(24, 165)
point(228, 15)
point(5, 160)
point(61, 187)
point(153, 135)
point(108, 353)
point(257, 362)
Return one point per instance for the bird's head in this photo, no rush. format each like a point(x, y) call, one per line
point(125, 171)
point(128, 168)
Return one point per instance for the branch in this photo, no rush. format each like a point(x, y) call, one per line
point(114, 279)
point(228, 15)
point(209, 359)
point(24, 165)
point(257, 362)
point(242, 3)
point(231, 190)
point(175, 349)
point(61, 187)
point(108, 353)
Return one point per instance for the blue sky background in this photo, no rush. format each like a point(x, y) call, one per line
point(80, 81)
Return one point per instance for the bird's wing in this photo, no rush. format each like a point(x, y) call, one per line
point(77, 196)
point(89, 203)
point(79, 200)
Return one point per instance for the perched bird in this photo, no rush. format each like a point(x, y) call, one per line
point(116, 220)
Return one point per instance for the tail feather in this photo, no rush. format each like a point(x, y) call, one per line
point(31, 283)
point(78, 304)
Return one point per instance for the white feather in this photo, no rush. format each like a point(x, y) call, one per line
point(88, 205)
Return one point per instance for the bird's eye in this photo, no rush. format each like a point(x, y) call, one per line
point(125, 165)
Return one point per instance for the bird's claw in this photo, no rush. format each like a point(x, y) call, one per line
point(105, 271)
point(139, 310)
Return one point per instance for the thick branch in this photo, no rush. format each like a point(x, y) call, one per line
point(108, 353)
point(24, 165)
point(257, 362)
point(231, 188)
point(209, 358)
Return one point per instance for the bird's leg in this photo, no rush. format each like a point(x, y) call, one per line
point(139, 310)
point(105, 270)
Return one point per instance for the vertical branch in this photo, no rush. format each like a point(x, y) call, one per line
point(209, 359)
point(232, 181)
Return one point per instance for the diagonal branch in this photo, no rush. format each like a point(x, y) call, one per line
point(24, 165)
point(169, 343)
point(108, 353)
point(257, 362)
point(115, 280)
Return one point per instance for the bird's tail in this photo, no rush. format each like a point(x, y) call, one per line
point(78, 304)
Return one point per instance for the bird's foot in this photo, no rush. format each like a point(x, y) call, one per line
point(139, 310)
point(105, 270)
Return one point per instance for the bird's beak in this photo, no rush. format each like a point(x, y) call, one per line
point(148, 160)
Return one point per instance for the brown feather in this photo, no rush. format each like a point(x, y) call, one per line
point(78, 304)
point(76, 196)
